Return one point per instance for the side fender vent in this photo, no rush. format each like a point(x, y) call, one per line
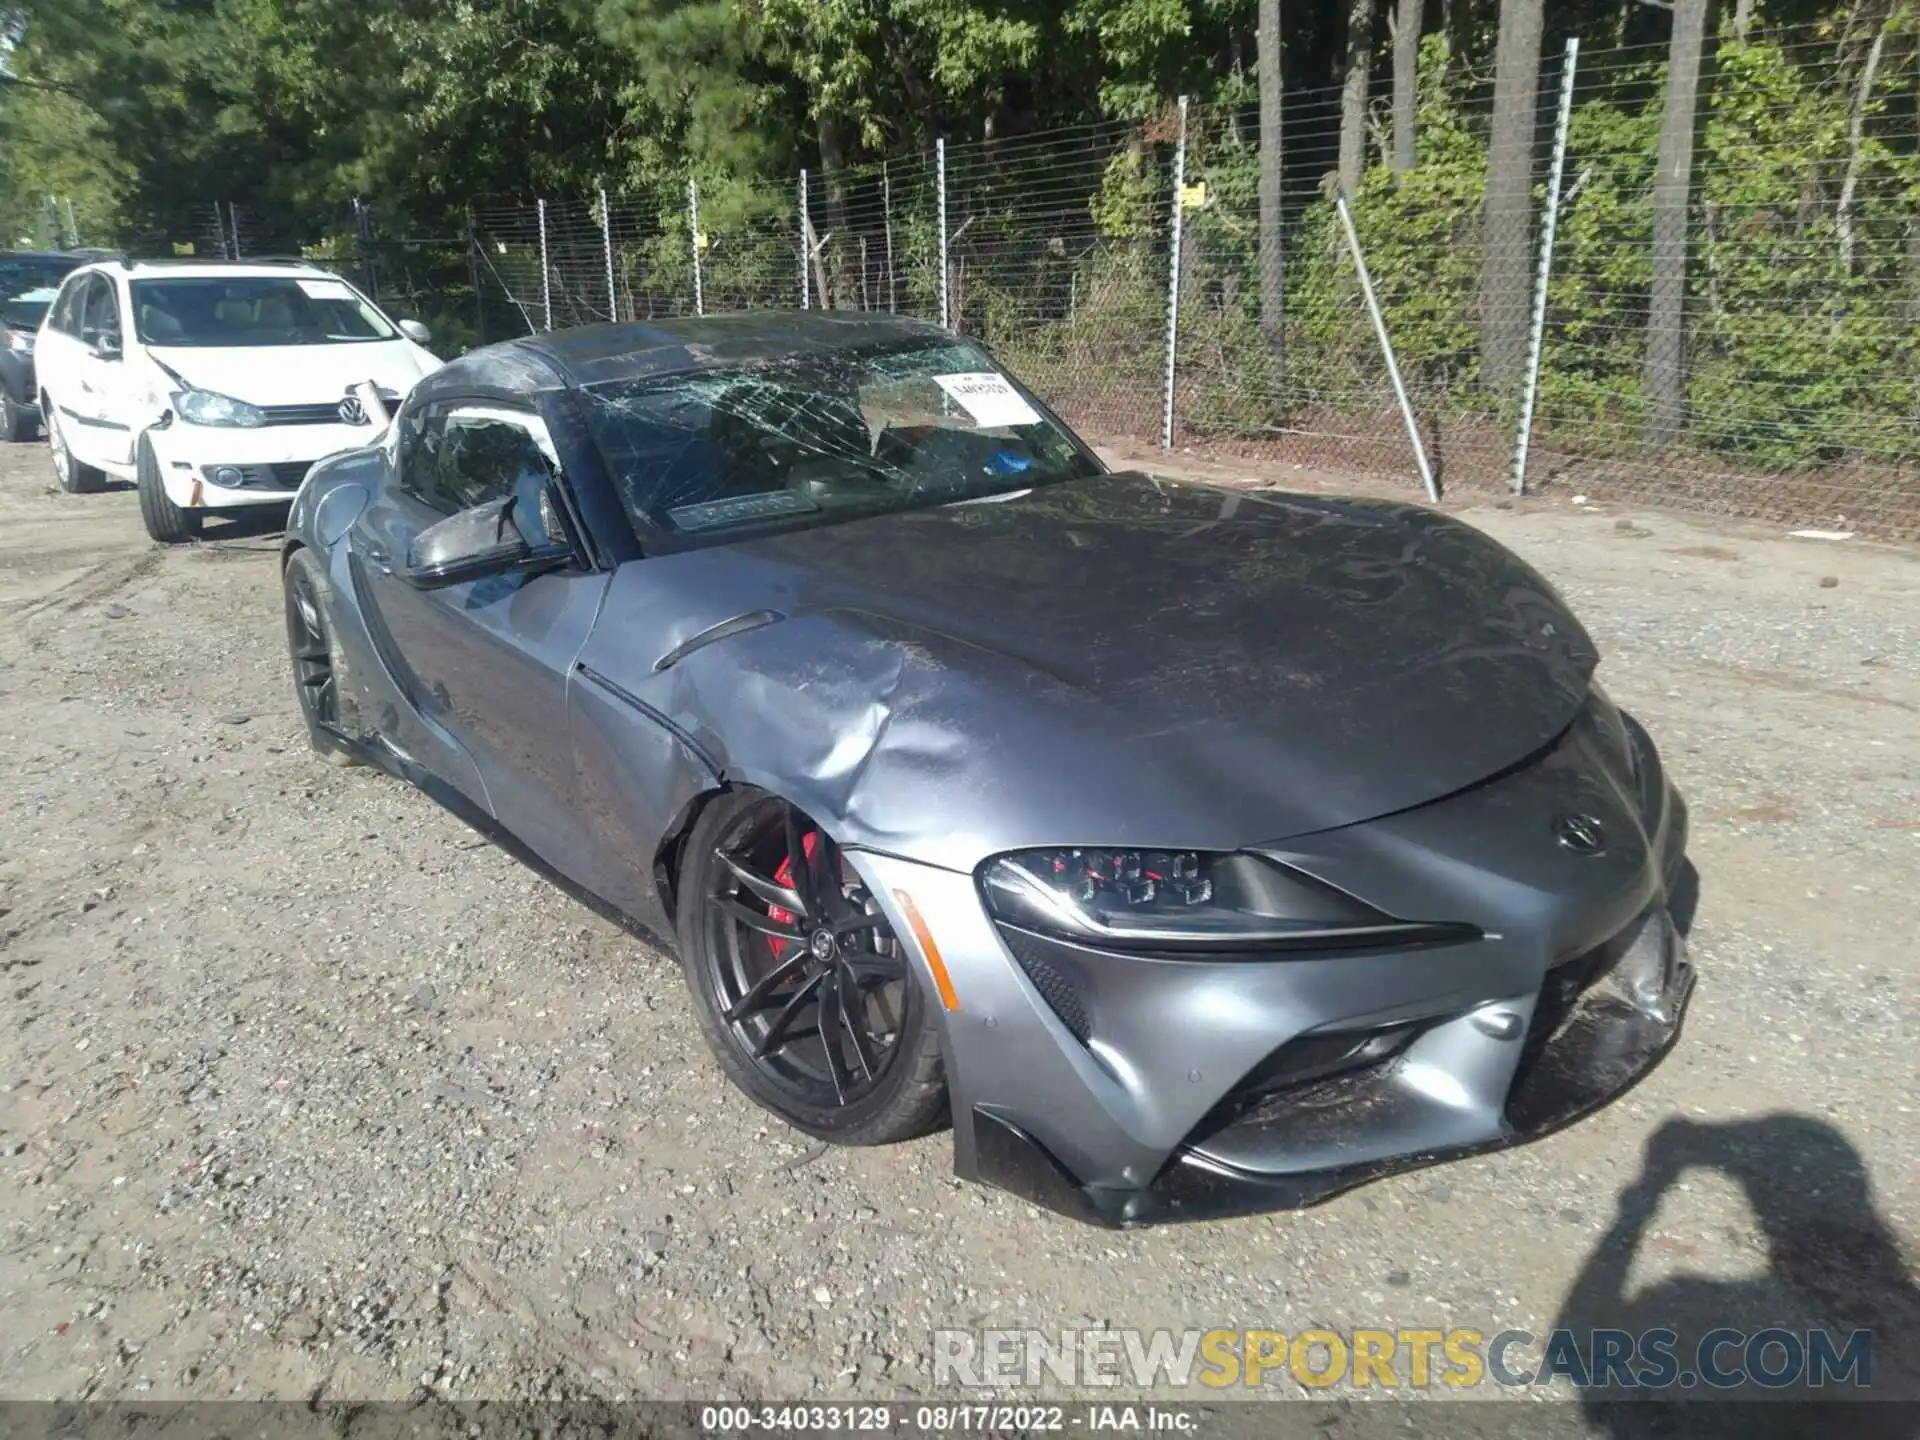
point(1055, 988)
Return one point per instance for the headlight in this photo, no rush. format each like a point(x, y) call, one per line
point(1161, 899)
point(12, 339)
point(203, 407)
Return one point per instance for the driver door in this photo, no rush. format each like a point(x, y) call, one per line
point(79, 380)
point(484, 661)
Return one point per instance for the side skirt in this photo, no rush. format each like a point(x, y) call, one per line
point(471, 815)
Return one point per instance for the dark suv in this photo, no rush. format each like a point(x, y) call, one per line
point(27, 283)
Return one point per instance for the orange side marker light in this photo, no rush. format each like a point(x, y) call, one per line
point(942, 981)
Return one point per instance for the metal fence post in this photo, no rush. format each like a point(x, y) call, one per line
point(806, 299)
point(1173, 280)
point(940, 172)
point(1386, 349)
point(886, 204)
point(73, 226)
point(546, 274)
point(233, 222)
point(693, 224)
point(606, 245)
point(473, 272)
point(1536, 333)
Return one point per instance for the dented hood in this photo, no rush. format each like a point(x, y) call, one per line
point(1114, 661)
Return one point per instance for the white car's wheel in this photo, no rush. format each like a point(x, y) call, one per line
point(75, 478)
point(165, 521)
point(15, 422)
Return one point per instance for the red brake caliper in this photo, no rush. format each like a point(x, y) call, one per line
point(784, 876)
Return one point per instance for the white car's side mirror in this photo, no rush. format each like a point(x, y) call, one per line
point(416, 332)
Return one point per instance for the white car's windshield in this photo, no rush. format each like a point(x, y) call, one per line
point(242, 312)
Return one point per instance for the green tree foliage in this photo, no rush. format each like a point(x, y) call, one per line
point(1803, 278)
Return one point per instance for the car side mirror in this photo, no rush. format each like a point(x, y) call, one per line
point(471, 545)
point(416, 332)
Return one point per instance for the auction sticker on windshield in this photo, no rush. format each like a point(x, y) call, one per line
point(988, 398)
point(326, 289)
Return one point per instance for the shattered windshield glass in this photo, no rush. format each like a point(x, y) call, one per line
point(824, 436)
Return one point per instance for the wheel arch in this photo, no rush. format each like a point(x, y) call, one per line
point(669, 856)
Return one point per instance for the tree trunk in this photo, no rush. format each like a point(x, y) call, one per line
point(1672, 188)
point(1856, 137)
point(1353, 95)
point(1406, 82)
point(833, 169)
point(1273, 289)
point(1742, 20)
point(1506, 264)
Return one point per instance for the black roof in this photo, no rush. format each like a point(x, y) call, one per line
point(75, 258)
point(594, 354)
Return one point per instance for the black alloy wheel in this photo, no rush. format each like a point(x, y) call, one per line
point(310, 647)
point(807, 996)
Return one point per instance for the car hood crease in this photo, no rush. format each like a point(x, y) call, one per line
point(1117, 660)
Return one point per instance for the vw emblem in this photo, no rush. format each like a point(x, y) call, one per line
point(1581, 834)
point(352, 412)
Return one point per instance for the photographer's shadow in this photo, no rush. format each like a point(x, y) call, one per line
point(1832, 1263)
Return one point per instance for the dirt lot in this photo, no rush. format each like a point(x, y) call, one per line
point(309, 1092)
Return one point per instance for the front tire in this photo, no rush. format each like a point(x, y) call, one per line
point(166, 522)
point(76, 478)
point(315, 658)
point(15, 423)
point(805, 996)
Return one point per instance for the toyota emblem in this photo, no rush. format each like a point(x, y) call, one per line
point(352, 412)
point(1581, 834)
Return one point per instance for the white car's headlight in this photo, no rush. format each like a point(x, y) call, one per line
point(203, 407)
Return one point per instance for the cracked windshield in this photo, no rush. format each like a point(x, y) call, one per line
point(820, 437)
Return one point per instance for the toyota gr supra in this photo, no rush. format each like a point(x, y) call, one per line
point(1197, 853)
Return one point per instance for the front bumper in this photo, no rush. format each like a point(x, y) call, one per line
point(1127, 1090)
point(268, 463)
point(1590, 1051)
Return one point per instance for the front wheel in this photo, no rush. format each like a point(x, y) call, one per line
point(310, 648)
point(76, 478)
point(166, 522)
point(15, 423)
point(805, 996)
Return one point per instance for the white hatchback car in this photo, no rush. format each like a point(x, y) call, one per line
point(213, 385)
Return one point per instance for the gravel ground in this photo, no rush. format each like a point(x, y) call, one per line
point(308, 1092)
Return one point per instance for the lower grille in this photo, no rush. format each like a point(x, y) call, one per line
point(1560, 992)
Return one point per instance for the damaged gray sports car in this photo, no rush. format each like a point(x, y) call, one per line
point(1194, 852)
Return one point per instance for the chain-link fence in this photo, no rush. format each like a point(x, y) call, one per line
point(1742, 343)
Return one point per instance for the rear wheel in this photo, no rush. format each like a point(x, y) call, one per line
point(166, 522)
point(806, 997)
point(75, 478)
point(15, 423)
point(316, 679)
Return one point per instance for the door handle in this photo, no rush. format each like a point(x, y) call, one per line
point(378, 558)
